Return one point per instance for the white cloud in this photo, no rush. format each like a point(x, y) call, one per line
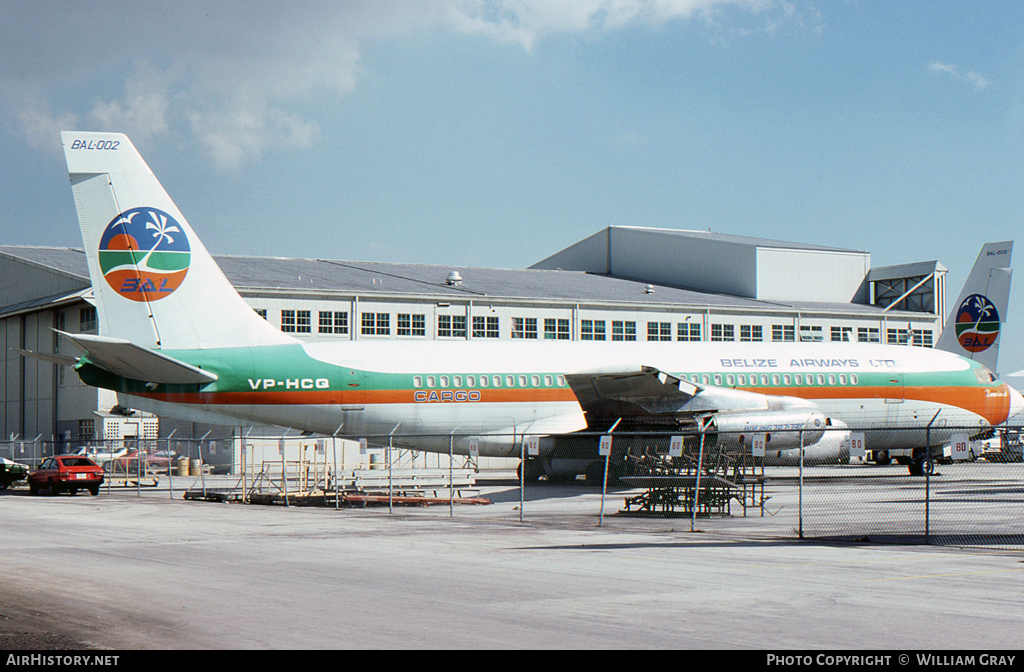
point(232, 73)
point(970, 77)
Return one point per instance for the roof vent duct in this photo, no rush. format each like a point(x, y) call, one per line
point(454, 279)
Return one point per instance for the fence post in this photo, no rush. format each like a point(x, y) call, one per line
point(696, 487)
point(801, 516)
point(522, 471)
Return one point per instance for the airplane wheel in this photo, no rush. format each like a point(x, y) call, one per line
point(882, 458)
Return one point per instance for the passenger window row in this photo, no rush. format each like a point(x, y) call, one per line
point(456, 381)
point(776, 379)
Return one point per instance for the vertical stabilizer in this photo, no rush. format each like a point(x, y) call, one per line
point(154, 282)
point(976, 320)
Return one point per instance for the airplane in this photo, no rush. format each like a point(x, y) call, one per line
point(176, 339)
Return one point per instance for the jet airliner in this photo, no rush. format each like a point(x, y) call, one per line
point(176, 339)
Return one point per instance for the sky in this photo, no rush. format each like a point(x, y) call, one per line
point(497, 132)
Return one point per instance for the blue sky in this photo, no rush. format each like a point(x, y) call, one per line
point(496, 133)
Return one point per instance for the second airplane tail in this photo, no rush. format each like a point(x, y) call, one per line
point(154, 282)
point(976, 319)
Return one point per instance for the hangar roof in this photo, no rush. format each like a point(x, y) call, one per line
point(251, 274)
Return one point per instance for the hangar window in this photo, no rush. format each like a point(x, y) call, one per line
point(842, 334)
point(783, 333)
point(376, 324)
point(659, 331)
point(486, 327)
point(751, 333)
point(411, 325)
point(86, 429)
point(288, 321)
point(556, 329)
point(723, 332)
point(451, 326)
point(922, 338)
point(810, 334)
point(524, 327)
point(592, 330)
point(688, 331)
point(87, 318)
point(262, 312)
point(867, 335)
point(333, 322)
point(623, 331)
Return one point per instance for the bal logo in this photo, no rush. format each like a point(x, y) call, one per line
point(977, 323)
point(144, 254)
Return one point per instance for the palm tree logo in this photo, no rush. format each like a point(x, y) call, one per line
point(161, 232)
point(158, 239)
point(977, 323)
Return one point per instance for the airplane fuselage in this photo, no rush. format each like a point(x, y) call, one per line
point(422, 392)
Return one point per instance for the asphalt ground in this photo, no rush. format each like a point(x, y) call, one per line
point(123, 571)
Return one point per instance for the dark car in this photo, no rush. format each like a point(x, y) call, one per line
point(70, 473)
point(11, 472)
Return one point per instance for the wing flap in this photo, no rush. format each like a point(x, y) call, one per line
point(630, 391)
point(128, 360)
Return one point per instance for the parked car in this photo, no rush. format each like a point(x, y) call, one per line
point(70, 473)
point(11, 472)
point(100, 455)
point(128, 463)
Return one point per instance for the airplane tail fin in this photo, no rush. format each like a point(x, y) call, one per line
point(975, 322)
point(154, 281)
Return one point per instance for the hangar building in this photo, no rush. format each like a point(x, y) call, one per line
point(620, 284)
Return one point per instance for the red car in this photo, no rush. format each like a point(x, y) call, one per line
point(66, 472)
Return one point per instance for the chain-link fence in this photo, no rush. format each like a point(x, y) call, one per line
point(954, 485)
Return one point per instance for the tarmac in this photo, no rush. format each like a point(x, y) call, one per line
point(140, 569)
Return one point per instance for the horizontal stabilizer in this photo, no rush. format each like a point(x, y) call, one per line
point(128, 360)
point(63, 360)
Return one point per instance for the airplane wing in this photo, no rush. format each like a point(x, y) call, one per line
point(630, 391)
point(128, 360)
